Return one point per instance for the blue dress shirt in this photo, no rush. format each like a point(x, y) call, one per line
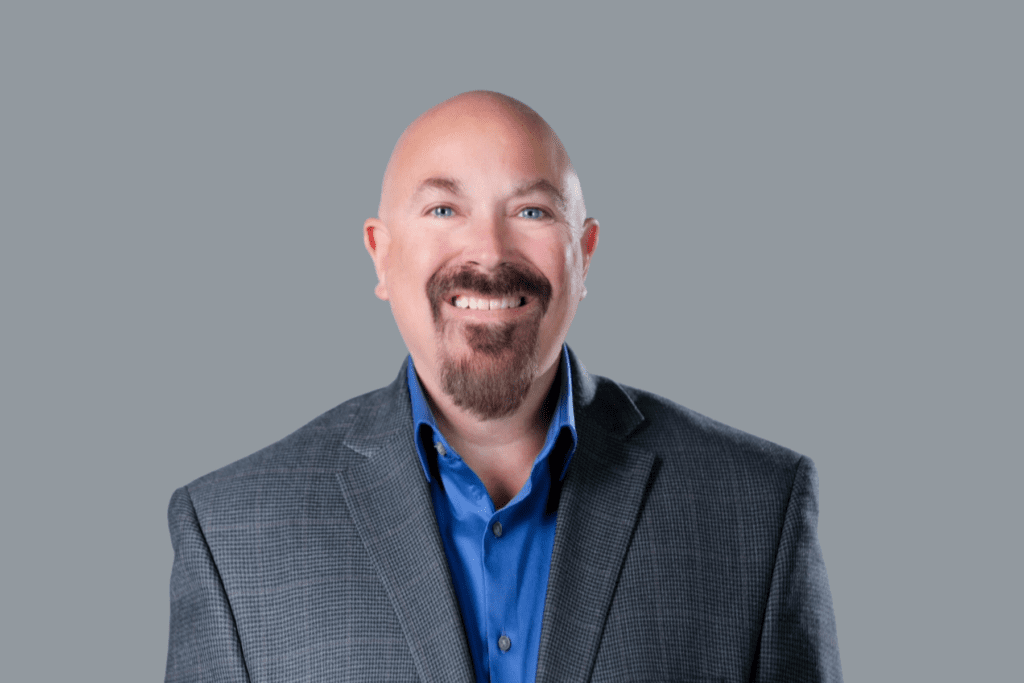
point(499, 559)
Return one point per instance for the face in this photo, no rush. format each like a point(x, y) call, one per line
point(481, 249)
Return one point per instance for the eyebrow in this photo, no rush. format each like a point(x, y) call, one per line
point(440, 183)
point(544, 187)
point(455, 187)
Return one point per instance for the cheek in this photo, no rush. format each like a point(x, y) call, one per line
point(405, 269)
point(414, 261)
point(571, 267)
point(556, 258)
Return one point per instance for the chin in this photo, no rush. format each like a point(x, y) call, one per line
point(493, 375)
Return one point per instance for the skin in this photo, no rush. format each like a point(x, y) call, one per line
point(503, 192)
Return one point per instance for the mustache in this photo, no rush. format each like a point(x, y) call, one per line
point(508, 279)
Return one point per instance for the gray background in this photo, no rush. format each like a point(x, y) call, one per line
point(811, 225)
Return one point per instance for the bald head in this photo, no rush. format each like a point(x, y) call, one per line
point(482, 247)
point(479, 123)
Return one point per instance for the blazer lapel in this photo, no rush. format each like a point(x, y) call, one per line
point(600, 500)
point(389, 500)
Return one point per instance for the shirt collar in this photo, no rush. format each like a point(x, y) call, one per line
point(564, 419)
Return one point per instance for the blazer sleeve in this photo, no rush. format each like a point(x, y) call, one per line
point(798, 637)
point(203, 643)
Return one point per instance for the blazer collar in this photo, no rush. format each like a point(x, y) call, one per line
point(604, 405)
point(600, 502)
point(389, 502)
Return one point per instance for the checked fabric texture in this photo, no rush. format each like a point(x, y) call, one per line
point(684, 551)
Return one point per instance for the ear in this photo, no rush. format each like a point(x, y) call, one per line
point(588, 243)
point(376, 240)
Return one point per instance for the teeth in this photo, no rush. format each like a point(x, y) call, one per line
point(488, 304)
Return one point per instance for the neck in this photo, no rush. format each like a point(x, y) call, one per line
point(500, 451)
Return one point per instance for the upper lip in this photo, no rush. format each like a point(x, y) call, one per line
point(505, 281)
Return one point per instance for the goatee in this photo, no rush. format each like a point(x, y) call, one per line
point(495, 378)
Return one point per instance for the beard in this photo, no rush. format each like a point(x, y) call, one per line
point(494, 379)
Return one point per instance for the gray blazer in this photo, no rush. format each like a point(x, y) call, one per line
point(684, 551)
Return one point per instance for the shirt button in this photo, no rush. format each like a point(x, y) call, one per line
point(496, 528)
point(504, 643)
point(439, 447)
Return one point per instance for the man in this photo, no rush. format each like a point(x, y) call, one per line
point(497, 513)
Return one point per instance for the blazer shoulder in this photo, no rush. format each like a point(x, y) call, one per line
point(675, 431)
point(319, 444)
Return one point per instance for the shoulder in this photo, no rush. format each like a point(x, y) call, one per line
point(727, 488)
point(315, 450)
point(700, 448)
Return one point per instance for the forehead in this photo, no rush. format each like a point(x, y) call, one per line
point(476, 150)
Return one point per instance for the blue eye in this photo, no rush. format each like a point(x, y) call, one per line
point(532, 212)
point(443, 211)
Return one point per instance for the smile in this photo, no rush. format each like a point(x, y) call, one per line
point(487, 304)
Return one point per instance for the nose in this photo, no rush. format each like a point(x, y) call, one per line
point(488, 241)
